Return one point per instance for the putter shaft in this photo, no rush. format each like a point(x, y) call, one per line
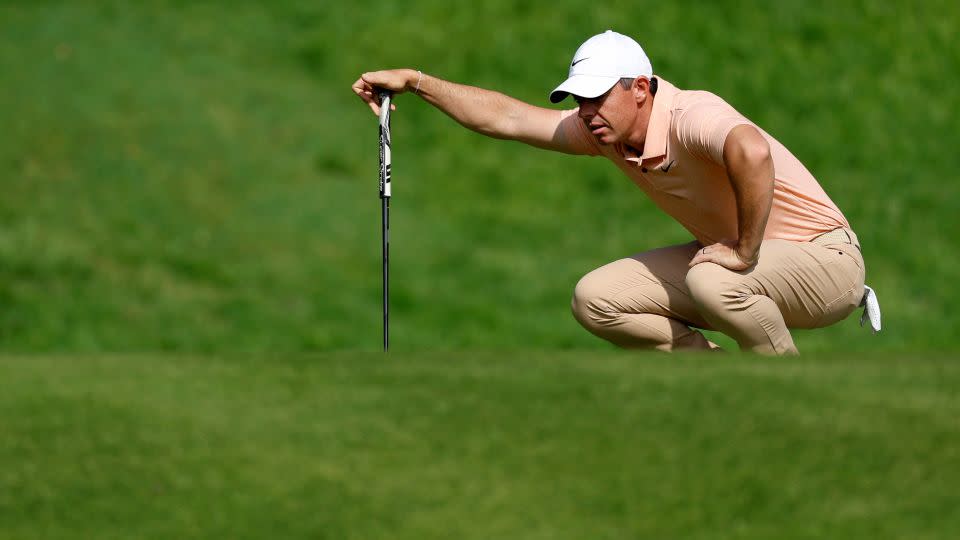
point(385, 160)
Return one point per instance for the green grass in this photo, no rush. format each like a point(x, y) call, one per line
point(483, 445)
point(197, 176)
point(196, 179)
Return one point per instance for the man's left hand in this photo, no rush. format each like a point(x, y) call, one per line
point(725, 254)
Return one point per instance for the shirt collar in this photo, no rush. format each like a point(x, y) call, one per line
point(655, 143)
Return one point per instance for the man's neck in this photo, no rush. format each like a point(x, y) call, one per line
point(638, 136)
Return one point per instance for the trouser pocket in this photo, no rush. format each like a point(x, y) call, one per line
point(848, 275)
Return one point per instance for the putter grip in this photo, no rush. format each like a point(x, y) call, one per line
point(384, 97)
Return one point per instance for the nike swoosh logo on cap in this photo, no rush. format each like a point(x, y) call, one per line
point(575, 62)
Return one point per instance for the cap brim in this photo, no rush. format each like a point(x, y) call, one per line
point(587, 86)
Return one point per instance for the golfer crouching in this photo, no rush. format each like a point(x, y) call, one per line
point(770, 250)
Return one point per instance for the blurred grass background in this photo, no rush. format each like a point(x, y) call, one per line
point(198, 176)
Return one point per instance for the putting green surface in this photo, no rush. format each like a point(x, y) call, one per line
point(484, 445)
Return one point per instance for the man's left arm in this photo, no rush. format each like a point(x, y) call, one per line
point(746, 156)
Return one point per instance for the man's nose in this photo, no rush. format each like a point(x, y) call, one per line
point(587, 111)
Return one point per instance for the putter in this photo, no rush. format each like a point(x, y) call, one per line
point(384, 97)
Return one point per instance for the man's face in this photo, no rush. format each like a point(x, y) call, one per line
point(611, 116)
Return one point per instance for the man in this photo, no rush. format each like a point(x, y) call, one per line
point(771, 250)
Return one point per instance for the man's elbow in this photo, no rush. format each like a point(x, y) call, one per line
point(746, 147)
point(757, 153)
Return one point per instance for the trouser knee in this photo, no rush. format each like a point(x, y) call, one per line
point(589, 305)
point(709, 289)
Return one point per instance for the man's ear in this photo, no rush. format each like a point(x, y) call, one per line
point(641, 89)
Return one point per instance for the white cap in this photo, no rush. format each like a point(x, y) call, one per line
point(600, 62)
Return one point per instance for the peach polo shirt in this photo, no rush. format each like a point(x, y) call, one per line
point(682, 170)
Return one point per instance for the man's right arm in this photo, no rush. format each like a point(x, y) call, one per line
point(487, 112)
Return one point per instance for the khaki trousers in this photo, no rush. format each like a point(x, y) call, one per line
point(653, 300)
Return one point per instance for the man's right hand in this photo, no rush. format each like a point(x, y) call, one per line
point(394, 80)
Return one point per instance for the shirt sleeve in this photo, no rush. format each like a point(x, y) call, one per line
point(575, 133)
point(703, 128)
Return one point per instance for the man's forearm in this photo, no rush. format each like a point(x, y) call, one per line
point(750, 168)
point(754, 200)
point(480, 110)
